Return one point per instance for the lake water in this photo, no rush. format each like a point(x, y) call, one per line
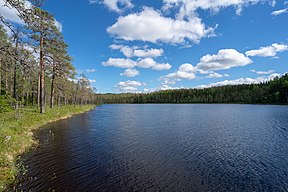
point(163, 148)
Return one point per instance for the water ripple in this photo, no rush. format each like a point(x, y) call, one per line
point(163, 148)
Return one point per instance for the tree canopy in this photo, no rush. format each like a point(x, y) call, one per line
point(272, 92)
point(35, 67)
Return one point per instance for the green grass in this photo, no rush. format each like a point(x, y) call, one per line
point(16, 135)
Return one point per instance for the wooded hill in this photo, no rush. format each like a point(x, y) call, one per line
point(35, 67)
point(272, 92)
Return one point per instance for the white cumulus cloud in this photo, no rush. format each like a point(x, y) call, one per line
point(150, 63)
point(119, 62)
point(240, 81)
point(92, 80)
point(90, 70)
point(141, 63)
point(136, 52)
point(189, 7)
point(263, 72)
point(129, 86)
point(114, 5)
point(185, 71)
point(269, 51)
point(224, 59)
point(161, 88)
point(214, 75)
point(130, 73)
point(151, 26)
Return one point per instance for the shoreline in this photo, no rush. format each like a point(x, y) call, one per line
point(17, 135)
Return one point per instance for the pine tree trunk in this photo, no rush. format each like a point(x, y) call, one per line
point(52, 89)
point(38, 91)
point(42, 77)
point(15, 70)
point(32, 96)
point(0, 77)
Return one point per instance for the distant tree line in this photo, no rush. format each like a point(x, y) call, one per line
point(35, 68)
point(272, 92)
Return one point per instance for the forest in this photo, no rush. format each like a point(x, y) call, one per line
point(35, 67)
point(271, 92)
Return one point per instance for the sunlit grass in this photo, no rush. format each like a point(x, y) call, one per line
point(16, 135)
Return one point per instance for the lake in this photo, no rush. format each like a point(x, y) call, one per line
point(164, 147)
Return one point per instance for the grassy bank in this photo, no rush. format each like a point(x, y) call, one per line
point(16, 134)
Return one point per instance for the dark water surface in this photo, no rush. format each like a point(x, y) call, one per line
point(163, 148)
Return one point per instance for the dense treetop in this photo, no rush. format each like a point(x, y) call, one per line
point(272, 92)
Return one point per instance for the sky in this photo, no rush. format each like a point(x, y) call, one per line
point(144, 46)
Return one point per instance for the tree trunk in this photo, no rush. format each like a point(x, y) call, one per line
point(32, 96)
point(59, 100)
point(0, 76)
point(42, 76)
point(52, 89)
point(6, 80)
point(15, 70)
point(38, 91)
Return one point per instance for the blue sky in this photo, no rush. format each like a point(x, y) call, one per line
point(142, 46)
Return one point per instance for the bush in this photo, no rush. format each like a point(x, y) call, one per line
point(6, 103)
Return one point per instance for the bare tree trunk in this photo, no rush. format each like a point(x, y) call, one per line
point(0, 77)
point(15, 69)
point(6, 80)
point(15, 80)
point(42, 76)
point(52, 89)
point(32, 96)
point(59, 100)
point(38, 90)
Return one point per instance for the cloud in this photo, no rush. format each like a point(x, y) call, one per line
point(241, 81)
point(188, 71)
point(185, 71)
point(279, 12)
point(151, 26)
point(90, 70)
point(263, 72)
point(114, 5)
point(92, 80)
point(135, 52)
point(269, 51)
point(130, 73)
point(187, 8)
point(119, 62)
point(161, 88)
point(58, 25)
point(10, 13)
point(150, 63)
point(214, 75)
point(141, 63)
point(129, 86)
point(224, 59)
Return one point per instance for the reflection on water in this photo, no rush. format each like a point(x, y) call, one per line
point(163, 148)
